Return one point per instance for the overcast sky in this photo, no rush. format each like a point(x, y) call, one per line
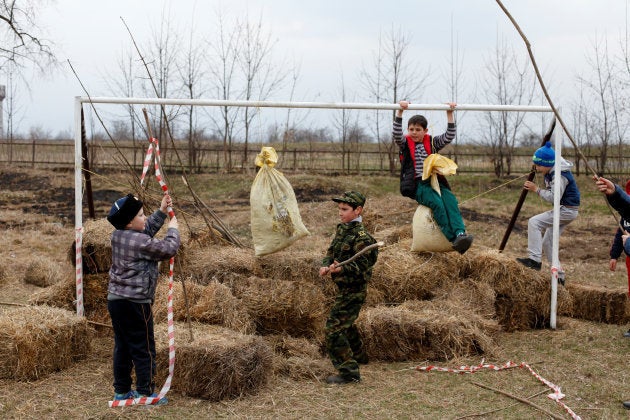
point(328, 37)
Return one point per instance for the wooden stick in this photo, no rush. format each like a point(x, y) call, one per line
point(358, 254)
point(524, 192)
point(555, 111)
point(523, 400)
point(485, 413)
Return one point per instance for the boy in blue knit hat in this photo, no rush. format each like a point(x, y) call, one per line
point(540, 227)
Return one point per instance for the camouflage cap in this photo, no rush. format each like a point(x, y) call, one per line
point(354, 198)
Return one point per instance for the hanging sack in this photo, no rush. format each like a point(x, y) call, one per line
point(427, 235)
point(275, 216)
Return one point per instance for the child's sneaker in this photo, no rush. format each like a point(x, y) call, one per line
point(161, 401)
point(126, 396)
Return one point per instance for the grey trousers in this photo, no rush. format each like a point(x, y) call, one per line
point(540, 232)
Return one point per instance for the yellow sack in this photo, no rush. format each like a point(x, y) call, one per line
point(275, 216)
point(436, 164)
point(427, 235)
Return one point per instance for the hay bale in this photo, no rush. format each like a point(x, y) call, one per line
point(394, 234)
point(42, 272)
point(296, 264)
point(220, 363)
point(476, 296)
point(425, 330)
point(403, 275)
point(374, 297)
point(217, 305)
point(38, 340)
point(63, 294)
point(160, 305)
point(205, 265)
point(297, 358)
point(96, 249)
point(3, 275)
point(278, 306)
point(523, 295)
point(597, 303)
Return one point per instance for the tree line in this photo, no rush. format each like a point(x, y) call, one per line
point(240, 60)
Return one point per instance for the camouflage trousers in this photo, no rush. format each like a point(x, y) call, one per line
point(343, 342)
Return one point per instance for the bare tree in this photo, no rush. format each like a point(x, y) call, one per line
point(602, 99)
point(192, 73)
point(392, 77)
point(125, 85)
point(506, 82)
point(223, 72)
point(345, 121)
point(164, 49)
point(20, 42)
point(261, 75)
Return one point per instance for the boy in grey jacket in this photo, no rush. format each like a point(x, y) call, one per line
point(131, 291)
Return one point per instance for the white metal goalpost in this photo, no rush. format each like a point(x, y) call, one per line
point(80, 100)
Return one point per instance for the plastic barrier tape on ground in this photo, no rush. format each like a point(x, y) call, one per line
point(171, 325)
point(557, 394)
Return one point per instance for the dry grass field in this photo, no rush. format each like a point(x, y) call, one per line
point(585, 358)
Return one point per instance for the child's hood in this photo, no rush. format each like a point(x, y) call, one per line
point(565, 165)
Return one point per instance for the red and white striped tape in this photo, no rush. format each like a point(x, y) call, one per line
point(557, 394)
point(79, 269)
point(171, 325)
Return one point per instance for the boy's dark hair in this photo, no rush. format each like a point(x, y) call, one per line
point(418, 120)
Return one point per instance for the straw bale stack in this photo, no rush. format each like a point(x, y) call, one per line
point(297, 358)
point(394, 234)
point(217, 305)
point(402, 275)
point(280, 306)
point(96, 249)
point(38, 340)
point(597, 303)
point(160, 309)
point(43, 272)
point(297, 264)
point(476, 296)
point(523, 295)
point(63, 295)
point(219, 364)
point(419, 330)
point(3, 275)
point(218, 263)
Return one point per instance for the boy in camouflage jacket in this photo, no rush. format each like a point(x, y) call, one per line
point(343, 342)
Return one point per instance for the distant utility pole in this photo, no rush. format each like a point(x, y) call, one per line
point(3, 92)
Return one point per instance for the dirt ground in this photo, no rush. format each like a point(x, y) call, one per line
point(586, 358)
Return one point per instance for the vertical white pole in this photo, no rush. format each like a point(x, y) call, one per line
point(555, 261)
point(78, 203)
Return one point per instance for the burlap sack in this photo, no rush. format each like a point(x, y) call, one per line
point(427, 235)
point(275, 216)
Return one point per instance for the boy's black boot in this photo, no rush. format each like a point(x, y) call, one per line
point(529, 263)
point(462, 242)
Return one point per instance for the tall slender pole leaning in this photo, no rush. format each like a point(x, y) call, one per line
point(524, 192)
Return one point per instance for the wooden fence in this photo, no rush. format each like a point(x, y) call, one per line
point(321, 158)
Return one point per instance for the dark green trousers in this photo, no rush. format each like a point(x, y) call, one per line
point(343, 342)
point(445, 208)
